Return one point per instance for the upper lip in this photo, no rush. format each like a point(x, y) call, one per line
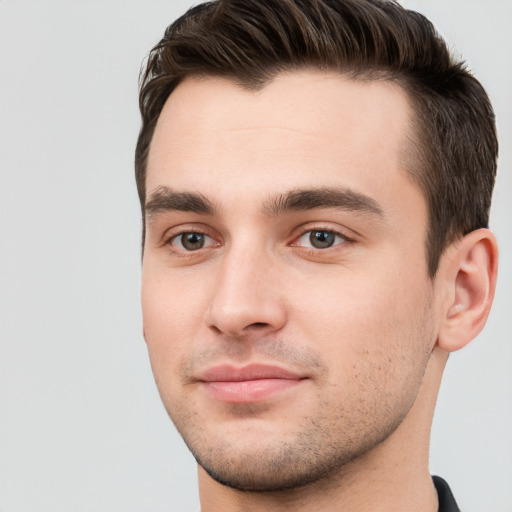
point(230, 373)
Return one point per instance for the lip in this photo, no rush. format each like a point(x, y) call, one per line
point(248, 384)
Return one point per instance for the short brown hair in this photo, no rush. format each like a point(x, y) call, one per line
point(453, 146)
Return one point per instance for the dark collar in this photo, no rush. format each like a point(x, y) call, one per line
point(447, 502)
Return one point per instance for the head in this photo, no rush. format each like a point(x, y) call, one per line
point(314, 177)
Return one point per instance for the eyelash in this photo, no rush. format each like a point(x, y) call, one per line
point(182, 252)
point(319, 229)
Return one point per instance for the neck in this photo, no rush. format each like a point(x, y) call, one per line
point(392, 476)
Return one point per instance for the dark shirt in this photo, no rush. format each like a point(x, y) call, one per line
point(447, 502)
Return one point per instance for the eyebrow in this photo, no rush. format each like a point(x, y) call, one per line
point(165, 199)
point(317, 198)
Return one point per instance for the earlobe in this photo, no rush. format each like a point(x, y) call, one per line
point(471, 270)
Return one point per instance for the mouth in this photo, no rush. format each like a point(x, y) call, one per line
point(248, 384)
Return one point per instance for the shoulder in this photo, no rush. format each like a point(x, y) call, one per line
point(447, 502)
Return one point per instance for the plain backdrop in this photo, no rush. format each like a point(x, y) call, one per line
point(81, 425)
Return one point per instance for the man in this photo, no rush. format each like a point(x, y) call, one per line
point(315, 179)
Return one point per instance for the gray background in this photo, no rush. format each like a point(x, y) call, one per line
point(81, 425)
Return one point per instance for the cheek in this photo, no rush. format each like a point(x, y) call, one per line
point(172, 314)
point(172, 302)
point(369, 324)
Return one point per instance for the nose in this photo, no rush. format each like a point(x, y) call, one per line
point(248, 295)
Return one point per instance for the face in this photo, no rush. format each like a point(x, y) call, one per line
point(286, 303)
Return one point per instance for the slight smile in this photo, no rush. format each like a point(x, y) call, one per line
point(249, 384)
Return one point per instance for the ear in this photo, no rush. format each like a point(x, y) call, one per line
point(470, 270)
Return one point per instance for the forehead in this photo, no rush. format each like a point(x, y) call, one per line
point(302, 129)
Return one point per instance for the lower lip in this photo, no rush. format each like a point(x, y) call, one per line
point(249, 391)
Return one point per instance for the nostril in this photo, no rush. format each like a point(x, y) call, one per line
point(258, 325)
point(215, 329)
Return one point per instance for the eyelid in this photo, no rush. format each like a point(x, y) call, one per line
point(322, 227)
point(175, 232)
point(178, 236)
point(311, 246)
point(191, 227)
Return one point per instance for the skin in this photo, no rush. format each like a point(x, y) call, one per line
point(360, 322)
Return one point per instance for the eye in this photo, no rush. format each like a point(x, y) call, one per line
point(320, 239)
point(191, 241)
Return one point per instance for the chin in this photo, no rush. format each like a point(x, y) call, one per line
point(270, 466)
point(265, 476)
